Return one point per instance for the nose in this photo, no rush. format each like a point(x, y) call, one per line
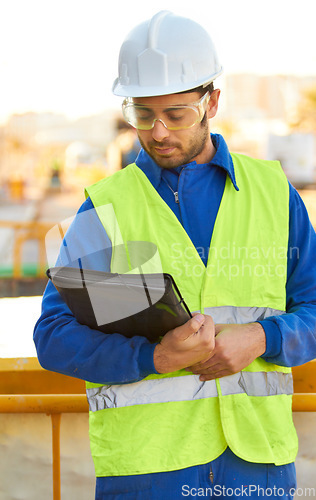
point(159, 131)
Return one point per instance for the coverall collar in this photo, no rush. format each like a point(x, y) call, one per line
point(222, 159)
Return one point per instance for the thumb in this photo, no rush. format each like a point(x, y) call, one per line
point(190, 327)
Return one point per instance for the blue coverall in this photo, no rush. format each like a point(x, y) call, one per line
point(65, 346)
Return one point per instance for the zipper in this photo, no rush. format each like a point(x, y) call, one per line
point(211, 474)
point(175, 193)
point(178, 197)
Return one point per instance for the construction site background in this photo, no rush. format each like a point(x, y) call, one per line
point(45, 163)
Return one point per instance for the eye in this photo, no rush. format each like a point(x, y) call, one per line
point(143, 114)
point(175, 114)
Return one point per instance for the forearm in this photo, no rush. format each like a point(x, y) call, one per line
point(65, 346)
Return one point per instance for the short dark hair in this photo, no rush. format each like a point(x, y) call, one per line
point(201, 89)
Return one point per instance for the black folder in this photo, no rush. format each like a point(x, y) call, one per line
point(130, 304)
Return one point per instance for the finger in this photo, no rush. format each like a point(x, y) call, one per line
point(212, 376)
point(190, 327)
point(211, 361)
point(195, 314)
point(197, 369)
point(219, 327)
point(212, 368)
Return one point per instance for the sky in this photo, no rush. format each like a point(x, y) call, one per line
point(61, 55)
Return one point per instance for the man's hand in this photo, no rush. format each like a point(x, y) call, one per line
point(236, 346)
point(186, 345)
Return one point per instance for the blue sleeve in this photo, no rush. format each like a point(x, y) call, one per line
point(86, 242)
point(291, 337)
point(65, 346)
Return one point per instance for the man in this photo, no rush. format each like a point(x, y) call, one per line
point(207, 410)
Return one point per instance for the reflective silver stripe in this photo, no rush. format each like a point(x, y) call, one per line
point(161, 390)
point(240, 315)
point(188, 388)
point(257, 383)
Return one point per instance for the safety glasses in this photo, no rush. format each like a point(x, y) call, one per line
point(177, 117)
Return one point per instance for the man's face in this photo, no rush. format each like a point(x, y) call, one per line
point(172, 148)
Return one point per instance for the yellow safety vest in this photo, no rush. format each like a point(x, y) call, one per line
point(172, 421)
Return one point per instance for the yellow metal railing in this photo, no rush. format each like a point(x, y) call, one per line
point(23, 232)
point(26, 388)
point(53, 405)
point(27, 375)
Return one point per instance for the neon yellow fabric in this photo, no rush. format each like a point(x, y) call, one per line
point(149, 438)
point(258, 429)
point(242, 246)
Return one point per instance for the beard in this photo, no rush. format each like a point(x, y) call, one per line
point(186, 151)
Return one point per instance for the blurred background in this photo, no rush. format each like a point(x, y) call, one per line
point(61, 130)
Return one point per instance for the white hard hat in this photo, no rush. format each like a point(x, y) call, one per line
point(165, 55)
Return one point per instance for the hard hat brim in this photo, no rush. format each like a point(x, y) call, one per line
point(138, 91)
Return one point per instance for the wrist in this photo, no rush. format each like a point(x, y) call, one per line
point(165, 362)
point(261, 341)
point(161, 360)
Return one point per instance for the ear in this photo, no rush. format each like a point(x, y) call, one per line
point(213, 104)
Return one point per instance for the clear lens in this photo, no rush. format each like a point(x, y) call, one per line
point(143, 117)
point(174, 118)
